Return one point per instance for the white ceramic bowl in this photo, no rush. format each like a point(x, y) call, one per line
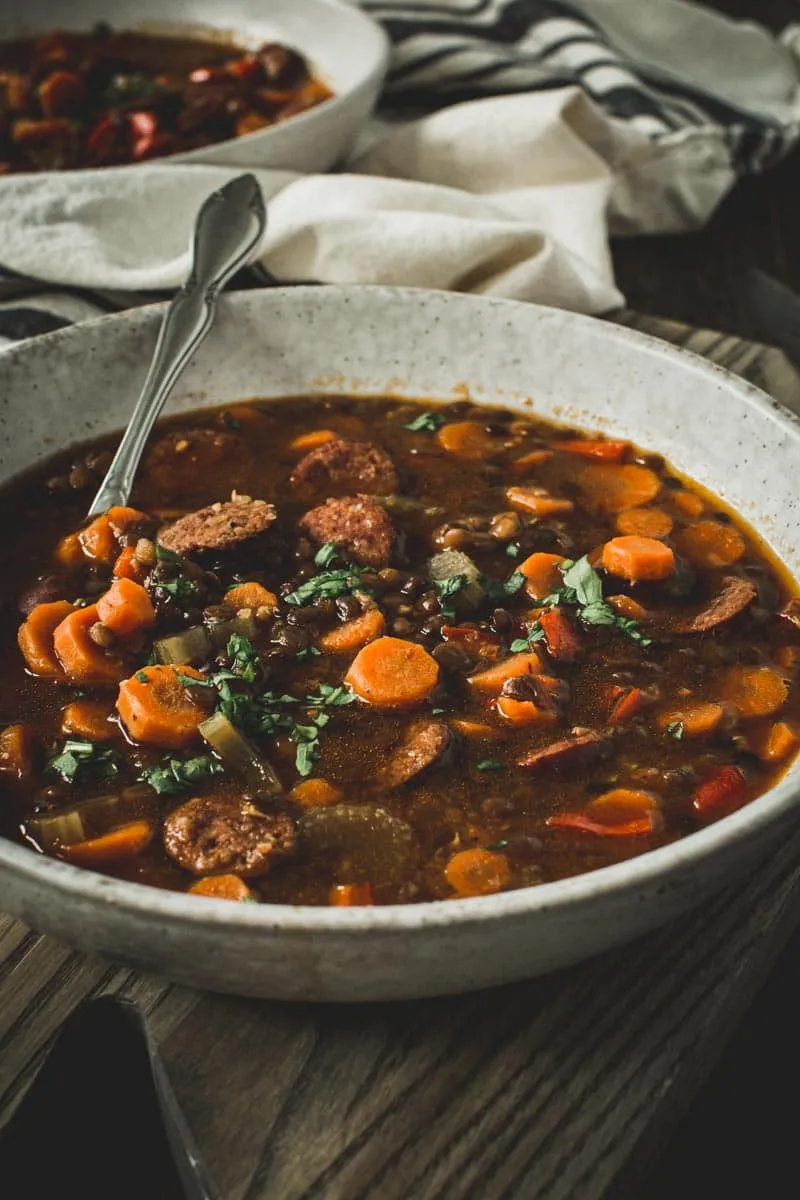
point(77, 383)
point(345, 47)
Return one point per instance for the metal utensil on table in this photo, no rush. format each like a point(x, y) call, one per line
point(228, 229)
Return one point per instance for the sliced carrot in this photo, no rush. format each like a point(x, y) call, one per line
point(351, 895)
point(644, 522)
point(347, 638)
point(775, 743)
point(490, 681)
point(69, 551)
point(524, 712)
point(35, 638)
point(611, 487)
point(156, 708)
point(315, 793)
point(250, 595)
point(477, 731)
point(625, 704)
point(127, 566)
point(310, 441)
point(117, 846)
point(100, 538)
point(126, 608)
point(467, 439)
point(560, 638)
point(89, 719)
point(477, 641)
point(393, 673)
point(636, 827)
point(626, 606)
point(688, 504)
point(754, 691)
point(693, 721)
point(16, 751)
point(477, 872)
point(222, 887)
point(538, 502)
point(602, 451)
point(710, 544)
point(638, 559)
point(721, 793)
point(84, 661)
point(536, 458)
point(247, 415)
point(542, 574)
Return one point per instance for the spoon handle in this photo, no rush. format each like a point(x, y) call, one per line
point(229, 227)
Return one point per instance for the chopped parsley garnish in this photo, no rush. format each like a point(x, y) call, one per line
point(141, 677)
point(500, 844)
point(180, 588)
point(676, 729)
point(512, 550)
point(447, 589)
point(584, 587)
point(326, 555)
point(328, 585)
point(243, 656)
point(308, 652)
point(80, 761)
point(229, 420)
point(535, 634)
point(177, 775)
point(165, 555)
point(500, 589)
point(427, 422)
point(491, 764)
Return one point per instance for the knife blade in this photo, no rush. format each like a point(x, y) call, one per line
point(776, 310)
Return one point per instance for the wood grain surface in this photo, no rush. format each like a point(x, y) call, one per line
point(562, 1088)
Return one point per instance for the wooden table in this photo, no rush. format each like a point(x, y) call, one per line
point(564, 1088)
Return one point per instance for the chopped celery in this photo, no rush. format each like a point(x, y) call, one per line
point(238, 755)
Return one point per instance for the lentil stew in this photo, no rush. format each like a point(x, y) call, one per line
point(357, 652)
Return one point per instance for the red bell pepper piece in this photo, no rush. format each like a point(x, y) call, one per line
point(722, 793)
point(637, 827)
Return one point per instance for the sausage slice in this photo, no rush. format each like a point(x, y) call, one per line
point(343, 467)
point(218, 527)
point(209, 836)
point(356, 524)
point(426, 743)
point(735, 595)
point(573, 753)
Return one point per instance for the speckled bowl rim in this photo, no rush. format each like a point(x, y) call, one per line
point(370, 71)
point(653, 866)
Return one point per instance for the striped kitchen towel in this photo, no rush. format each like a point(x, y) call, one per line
point(709, 99)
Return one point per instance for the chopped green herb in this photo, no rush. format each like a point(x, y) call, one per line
point(244, 657)
point(142, 677)
point(229, 421)
point(498, 845)
point(328, 585)
point(308, 652)
point(150, 660)
point(447, 589)
point(499, 589)
point(491, 764)
point(512, 550)
point(427, 422)
point(676, 729)
point(165, 555)
point(188, 681)
point(535, 634)
point(307, 755)
point(326, 554)
point(584, 588)
point(180, 588)
point(80, 761)
point(177, 775)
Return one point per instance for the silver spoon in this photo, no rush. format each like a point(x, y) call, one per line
point(228, 229)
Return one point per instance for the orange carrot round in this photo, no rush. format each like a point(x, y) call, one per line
point(621, 804)
point(644, 522)
point(351, 895)
point(347, 638)
point(117, 846)
point(477, 872)
point(611, 487)
point(69, 551)
point(693, 720)
point(125, 608)
point(772, 745)
point(600, 451)
point(688, 504)
point(16, 751)
point(710, 544)
point(89, 719)
point(157, 709)
point(755, 691)
point(638, 559)
point(127, 565)
point(466, 439)
point(538, 502)
point(315, 793)
point(542, 574)
point(222, 887)
point(524, 712)
point(35, 638)
point(393, 673)
point(84, 661)
point(100, 538)
point(626, 606)
point(250, 595)
point(535, 458)
point(477, 731)
point(310, 441)
point(490, 681)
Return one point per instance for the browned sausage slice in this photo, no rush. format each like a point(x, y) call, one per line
point(356, 524)
point(219, 836)
point(735, 595)
point(342, 467)
point(573, 753)
point(218, 527)
point(426, 743)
